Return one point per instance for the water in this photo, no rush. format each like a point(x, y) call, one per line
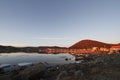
point(15, 58)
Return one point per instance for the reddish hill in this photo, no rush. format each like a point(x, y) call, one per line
point(90, 44)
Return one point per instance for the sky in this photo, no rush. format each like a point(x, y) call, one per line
point(58, 22)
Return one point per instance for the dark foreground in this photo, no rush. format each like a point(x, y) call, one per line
point(98, 67)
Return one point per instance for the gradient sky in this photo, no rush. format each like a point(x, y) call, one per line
point(58, 22)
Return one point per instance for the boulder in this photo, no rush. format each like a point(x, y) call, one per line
point(32, 72)
point(61, 75)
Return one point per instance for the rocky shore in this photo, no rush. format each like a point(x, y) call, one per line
point(98, 67)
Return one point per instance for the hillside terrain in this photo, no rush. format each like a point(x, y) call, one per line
point(90, 44)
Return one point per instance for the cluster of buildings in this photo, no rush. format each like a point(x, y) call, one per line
point(112, 49)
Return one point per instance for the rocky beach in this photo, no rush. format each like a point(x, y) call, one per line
point(97, 67)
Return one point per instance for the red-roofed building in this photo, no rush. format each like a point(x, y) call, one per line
point(115, 49)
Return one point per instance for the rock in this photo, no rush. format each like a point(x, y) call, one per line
point(5, 77)
point(78, 74)
point(32, 72)
point(61, 75)
point(95, 70)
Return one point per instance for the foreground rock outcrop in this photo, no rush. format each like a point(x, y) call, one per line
point(99, 67)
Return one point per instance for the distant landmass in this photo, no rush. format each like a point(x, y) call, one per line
point(9, 49)
point(84, 44)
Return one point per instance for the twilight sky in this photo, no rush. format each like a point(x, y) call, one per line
point(58, 22)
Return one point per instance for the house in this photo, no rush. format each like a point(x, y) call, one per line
point(115, 49)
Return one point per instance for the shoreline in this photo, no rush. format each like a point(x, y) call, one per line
point(100, 67)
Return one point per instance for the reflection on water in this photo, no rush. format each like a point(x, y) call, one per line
point(15, 58)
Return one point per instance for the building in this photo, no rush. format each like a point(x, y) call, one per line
point(115, 49)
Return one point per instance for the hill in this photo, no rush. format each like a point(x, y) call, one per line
point(9, 49)
point(90, 44)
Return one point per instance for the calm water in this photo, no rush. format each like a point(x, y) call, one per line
point(15, 58)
